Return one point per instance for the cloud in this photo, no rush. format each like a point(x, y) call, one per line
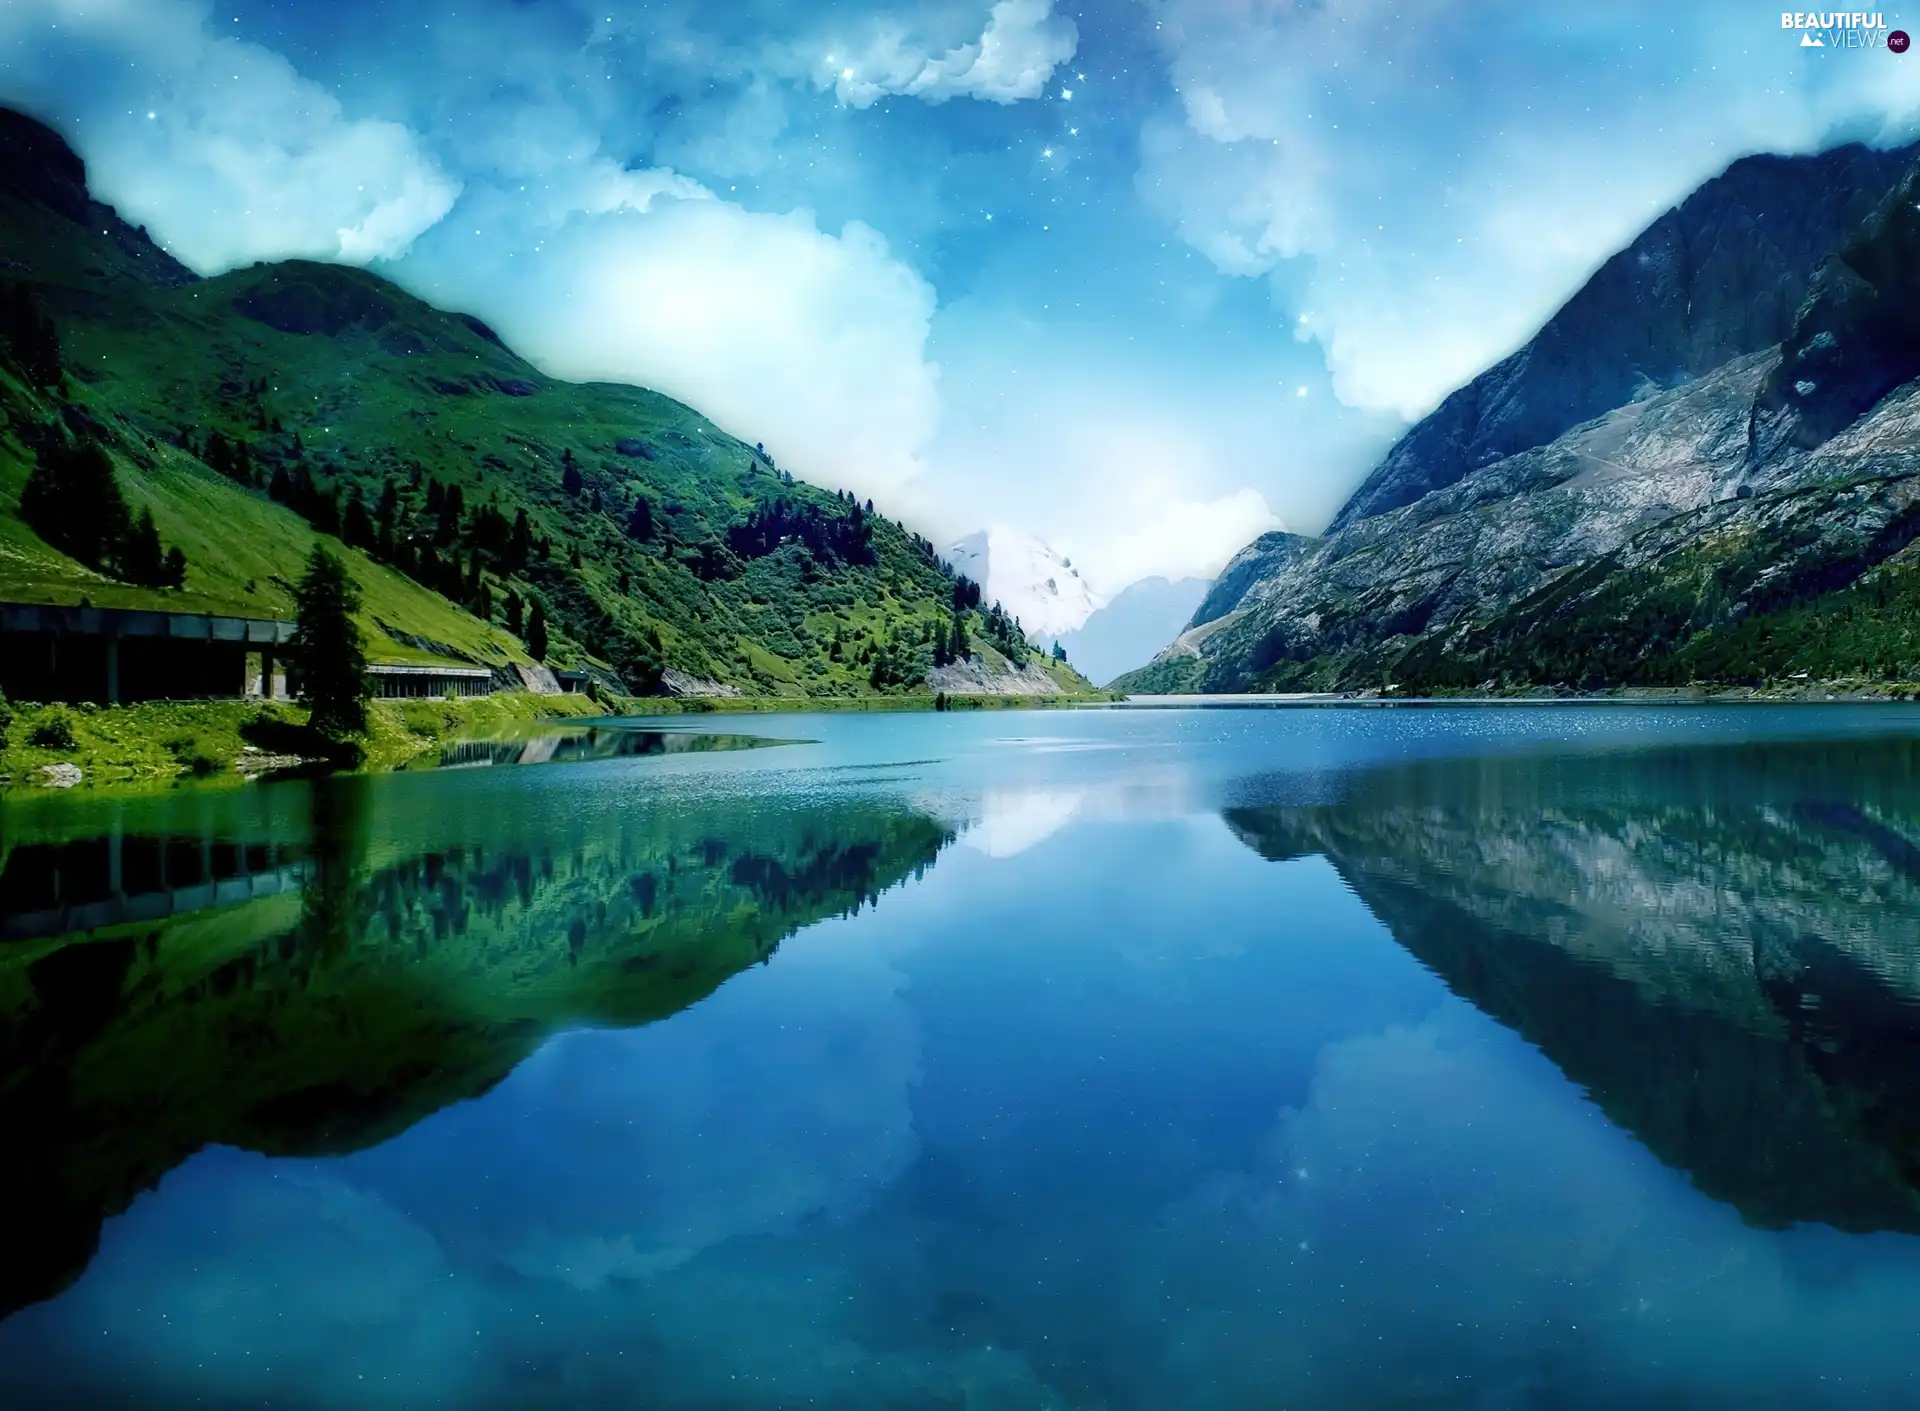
point(1014, 57)
point(1129, 470)
point(811, 341)
point(219, 145)
point(1173, 537)
point(1426, 182)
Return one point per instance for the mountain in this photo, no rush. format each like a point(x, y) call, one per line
point(254, 411)
point(1129, 630)
point(1720, 275)
point(1748, 522)
point(1032, 581)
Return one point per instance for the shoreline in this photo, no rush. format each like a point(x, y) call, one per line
point(1814, 693)
point(160, 744)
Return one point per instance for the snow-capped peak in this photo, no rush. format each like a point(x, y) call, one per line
point(1037, 585)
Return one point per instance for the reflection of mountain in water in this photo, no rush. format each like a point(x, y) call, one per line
point(425, 947)
point(1722, 946)
point(558, 746)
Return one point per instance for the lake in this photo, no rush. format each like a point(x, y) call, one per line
point(1561, 1056)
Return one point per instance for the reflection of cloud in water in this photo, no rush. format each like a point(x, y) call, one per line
point(1007, 822)
point(1436, 1208)
point(241, 1279)
point(1012, 820)
point(621, 1154)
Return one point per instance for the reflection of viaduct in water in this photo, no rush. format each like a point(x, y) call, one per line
point(50, 889)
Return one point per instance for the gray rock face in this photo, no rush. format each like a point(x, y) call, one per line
point(1719, 276)
point(1481, 545)
point(1259, 560)
point(1856, 338)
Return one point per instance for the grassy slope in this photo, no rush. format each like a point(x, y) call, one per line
point(378, 386)
point(244, 554)
point(162, 740)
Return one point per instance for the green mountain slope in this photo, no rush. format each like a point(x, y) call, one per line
point(250, 410)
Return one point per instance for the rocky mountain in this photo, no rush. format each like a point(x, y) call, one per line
point(1737, 522)
point(1720, 275)
point(1129, 630)
point(1033, 581)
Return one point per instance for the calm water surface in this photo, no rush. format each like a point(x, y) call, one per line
point(1335, 1058)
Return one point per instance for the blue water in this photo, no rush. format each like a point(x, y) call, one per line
point(1476, 1057)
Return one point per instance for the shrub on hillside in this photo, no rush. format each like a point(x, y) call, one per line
point(53, 731)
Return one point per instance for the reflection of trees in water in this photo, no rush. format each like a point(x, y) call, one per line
point(398, 978)
point(336, 842)
point(1722, 946)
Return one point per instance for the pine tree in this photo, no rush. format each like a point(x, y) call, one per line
point(640, 520)
point(958, 648)
point(537, 631)
point(570, 480)
point(30, 338)
point(516, 613)
point(327, 648)
point(1059, 652)
point(176, 568)
point(142, 559)
point(215, 454)
point(72, 501)
point(356, 526)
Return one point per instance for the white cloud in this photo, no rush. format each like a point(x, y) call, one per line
point(1128, 470)
point(220, 147)
point(776, 330)
point(1445, 192)
point(1177, 537)
point(1014, 57)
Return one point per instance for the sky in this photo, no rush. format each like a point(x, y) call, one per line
point(1145, 278)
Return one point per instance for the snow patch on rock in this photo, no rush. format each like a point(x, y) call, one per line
point(1029, 579)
